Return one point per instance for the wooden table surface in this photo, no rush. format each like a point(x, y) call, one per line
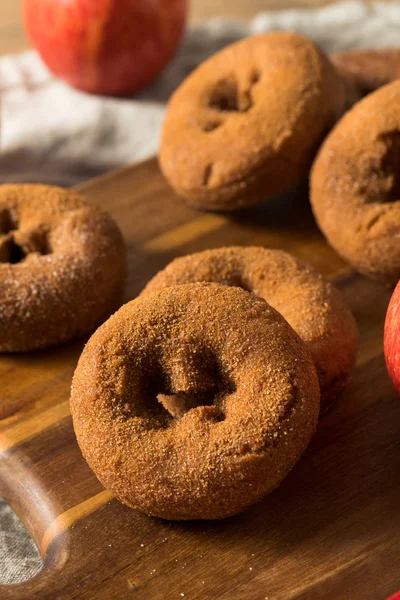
point(12, 38)
point(330, 530)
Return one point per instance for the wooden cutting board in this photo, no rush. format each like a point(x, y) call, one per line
point(331, 530)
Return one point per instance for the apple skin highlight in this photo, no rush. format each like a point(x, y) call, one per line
point(113, 47)
point(392, 339)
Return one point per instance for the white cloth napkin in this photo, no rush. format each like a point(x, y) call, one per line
point(53, 134)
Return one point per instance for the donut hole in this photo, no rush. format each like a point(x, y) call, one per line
point(225, 97)
point(17, 253)
point(37, 242)
point(15, 247)
point(166, 390)
point(381, 180)
point(7, 222)
point(206, 386)
point(391, 166)
point(16, 243)
point(12, 252)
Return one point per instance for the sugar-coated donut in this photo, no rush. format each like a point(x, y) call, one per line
point(246, 123)
point(248, 381)
point(312, 306)
point(62, 266)
point(355, 185)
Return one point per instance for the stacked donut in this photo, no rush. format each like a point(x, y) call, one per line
point(196, 399)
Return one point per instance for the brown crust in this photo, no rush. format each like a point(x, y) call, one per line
point(62, 266)
point(312, 306)
point(355, 185)
point(199, 341)
point(246, 123)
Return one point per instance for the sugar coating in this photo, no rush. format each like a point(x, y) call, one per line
point(246, 123)
point(232, 350)
point(313, 307)
point(70, 270)
point(355, 185)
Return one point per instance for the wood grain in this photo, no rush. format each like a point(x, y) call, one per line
point(329, 531)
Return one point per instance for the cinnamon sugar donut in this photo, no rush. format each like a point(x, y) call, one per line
point(355, 185)
point(311, 305)
point(62, 266)
point(250, 384)
point(246, 123)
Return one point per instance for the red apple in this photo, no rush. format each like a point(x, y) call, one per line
point(105, 46)
point(392, 338)
point(395, 596)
